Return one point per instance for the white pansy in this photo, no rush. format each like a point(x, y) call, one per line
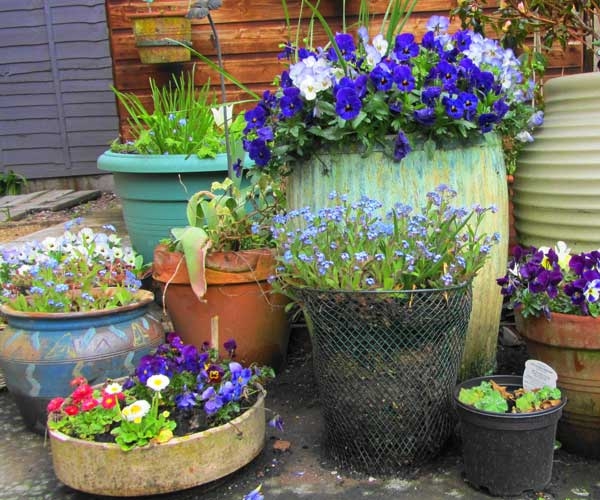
point(308, 88)
point(564, 254)
point(50, 244)
point(86, 235)
point(381, 44)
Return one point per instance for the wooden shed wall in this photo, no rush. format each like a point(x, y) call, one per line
point(57, 112)
point(250, 32)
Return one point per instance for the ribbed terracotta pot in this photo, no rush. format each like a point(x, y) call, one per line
point(571, 345)
point(181, 463)
point(557, 182)
point(475, 170)
point(239, 303)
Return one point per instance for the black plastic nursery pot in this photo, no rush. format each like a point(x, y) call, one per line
point(506, 453)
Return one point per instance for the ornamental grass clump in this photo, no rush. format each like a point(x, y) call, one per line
point(389, 91)
point(175, 391)
point(77, 271)
point(540, 281)
point(356, 246)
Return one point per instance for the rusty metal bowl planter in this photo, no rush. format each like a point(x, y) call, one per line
point(159, 36)
point(571, 345)
point(181, 463)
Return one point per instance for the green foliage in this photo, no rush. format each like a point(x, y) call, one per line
point(489, 396)
point(182, 120)
point(514, 21)
point(484, 397)
point(139, 431)
point(11, 183)
point(227, 218)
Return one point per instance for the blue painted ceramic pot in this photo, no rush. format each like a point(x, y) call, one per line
point(40, 353)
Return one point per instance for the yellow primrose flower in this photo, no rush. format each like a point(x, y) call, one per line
point(158, 382)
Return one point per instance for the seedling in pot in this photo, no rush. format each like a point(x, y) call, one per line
point(489, 396)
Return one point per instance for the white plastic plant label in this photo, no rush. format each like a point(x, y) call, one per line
point(537, 375)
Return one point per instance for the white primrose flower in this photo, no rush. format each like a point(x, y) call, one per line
point(158, 382)
point(113, 388)
point(136, 410)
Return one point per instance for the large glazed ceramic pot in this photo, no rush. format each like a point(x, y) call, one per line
point(238, 295)
point(557, 182)
point(181, 463)
point(476, 171)
point(571, 345)
point(40, 353)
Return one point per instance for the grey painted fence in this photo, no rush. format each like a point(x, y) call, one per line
point(57, 112)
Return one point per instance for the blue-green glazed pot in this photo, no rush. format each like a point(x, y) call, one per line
point(154, 190)
point(475, 170)
point(40, 353)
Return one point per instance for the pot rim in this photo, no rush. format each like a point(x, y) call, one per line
point(383, 292)
point(145, 297)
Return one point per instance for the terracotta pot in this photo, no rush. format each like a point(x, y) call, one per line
point(182, 462)
point(571, 345)
point(238, 294)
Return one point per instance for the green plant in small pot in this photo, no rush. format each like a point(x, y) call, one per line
point(180, 402)
point(73, 305)
point(555, 293)
point(221, 262)
point(180, 145)
point(507, 433)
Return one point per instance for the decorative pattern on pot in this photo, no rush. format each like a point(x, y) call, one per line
point(41, 353)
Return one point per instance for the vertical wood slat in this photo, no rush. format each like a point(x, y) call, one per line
point(62, 129)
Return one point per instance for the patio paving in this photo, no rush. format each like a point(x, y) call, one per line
point(303, 471)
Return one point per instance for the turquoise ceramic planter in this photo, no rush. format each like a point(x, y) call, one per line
point(40, 353)
point(154, 190)
point(476, 172)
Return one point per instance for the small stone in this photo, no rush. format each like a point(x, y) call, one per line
point(281, 446)
point(509, 338)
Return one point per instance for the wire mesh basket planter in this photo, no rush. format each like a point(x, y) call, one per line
point(386, 364)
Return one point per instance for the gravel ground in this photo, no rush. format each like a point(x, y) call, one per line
point(11, 230)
